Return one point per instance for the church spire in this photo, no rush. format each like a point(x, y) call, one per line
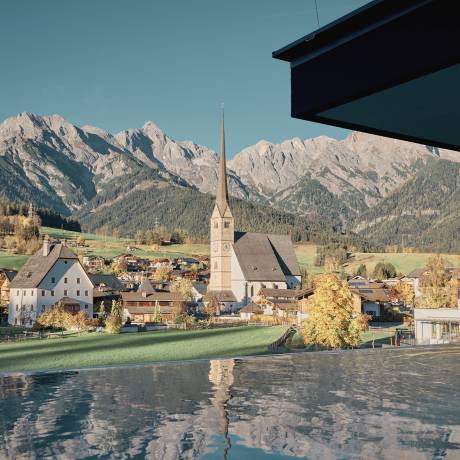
point(222, 192)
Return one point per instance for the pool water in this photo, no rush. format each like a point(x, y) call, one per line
point(385, 404)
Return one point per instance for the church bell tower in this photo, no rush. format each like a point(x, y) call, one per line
point(222, 229)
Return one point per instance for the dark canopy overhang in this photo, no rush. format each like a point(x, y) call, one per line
point(389, 68)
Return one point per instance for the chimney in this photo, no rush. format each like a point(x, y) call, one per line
point(46, 246)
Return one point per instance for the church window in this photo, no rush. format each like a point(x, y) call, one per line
point(216, 224)
point(226, 224)
point(252, 291)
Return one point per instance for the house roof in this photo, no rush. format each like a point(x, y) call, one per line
point(221, 296)
point(108, 280)
point(417, 273)
point(10, 274)
point(201, 288)
point(36, 268)
point(160, 296)
point(146, 286)
point(265, 257)
point(285, 293)
point(252, 308)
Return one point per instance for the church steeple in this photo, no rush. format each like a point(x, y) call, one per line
point(222, 231)
point(222, 191)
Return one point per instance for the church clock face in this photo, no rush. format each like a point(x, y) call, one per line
point(226, 247)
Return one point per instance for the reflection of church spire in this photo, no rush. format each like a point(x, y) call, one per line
point(222, 191)
point(221, 375)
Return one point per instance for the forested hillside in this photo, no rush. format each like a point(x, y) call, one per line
point(180, 208)
point(424, 213)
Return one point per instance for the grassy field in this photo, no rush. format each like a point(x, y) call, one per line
point(108, 247)
point(96, 349)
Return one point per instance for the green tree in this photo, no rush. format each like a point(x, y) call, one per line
point(361, 271)
point(384, 270)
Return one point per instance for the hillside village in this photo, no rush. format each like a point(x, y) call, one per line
point(249, 278)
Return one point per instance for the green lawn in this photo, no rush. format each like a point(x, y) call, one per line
point(108, 247)
point(97, 349)
point(12, 261)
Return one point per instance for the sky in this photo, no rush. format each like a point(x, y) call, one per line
point(116, 64)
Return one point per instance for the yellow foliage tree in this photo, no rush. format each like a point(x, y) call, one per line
point(184, 286)
point(402, 292)
point(436, 286)
point(162, 273)
point(332, 321)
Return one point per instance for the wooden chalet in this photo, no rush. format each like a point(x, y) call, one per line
point(147, 304)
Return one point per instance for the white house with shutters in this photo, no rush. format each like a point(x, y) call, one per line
point(53, 274)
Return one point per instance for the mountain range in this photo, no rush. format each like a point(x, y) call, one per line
point(353, 184)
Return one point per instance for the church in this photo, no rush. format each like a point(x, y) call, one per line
point(242, 263)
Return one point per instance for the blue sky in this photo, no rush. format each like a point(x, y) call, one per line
point(117, 63)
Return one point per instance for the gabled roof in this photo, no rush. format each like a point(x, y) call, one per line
point(36, 268)
point(146, 287)
point(417, 273)
point(108, 280)
point(221, 296)
point(161, 296)
point(265, 257)
point(252, 308)
point(10, 274)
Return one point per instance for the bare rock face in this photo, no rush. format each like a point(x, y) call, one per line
point(51, 162)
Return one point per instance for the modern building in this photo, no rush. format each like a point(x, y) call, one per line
point(390, 68)
point(437, 325)
point(53, 274)
point(241, 262)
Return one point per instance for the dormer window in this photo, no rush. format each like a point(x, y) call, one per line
point(53, 279)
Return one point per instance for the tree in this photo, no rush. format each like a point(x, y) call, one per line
point(211, 307)
point(184, 286)
point(361, 271)
point(114, 322)
point(384, 270)
point(402, 292)
point(178, 309)
point(162, 273)
point(332, 321)
point(435, 285)
point(101, 312)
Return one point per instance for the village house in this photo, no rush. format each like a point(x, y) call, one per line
point(106, 289)
point(6, 276)
point(130, 262)
point(94, 262)
point(241, 262)
point(147, 305)
point(372, 296)
point(52, 275)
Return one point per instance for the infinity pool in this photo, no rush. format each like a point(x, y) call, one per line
point(386, 404)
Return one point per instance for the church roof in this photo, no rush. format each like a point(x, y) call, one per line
point(36, 268)
point(265, 257)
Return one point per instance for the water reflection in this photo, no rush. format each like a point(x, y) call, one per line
point(387, 404)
